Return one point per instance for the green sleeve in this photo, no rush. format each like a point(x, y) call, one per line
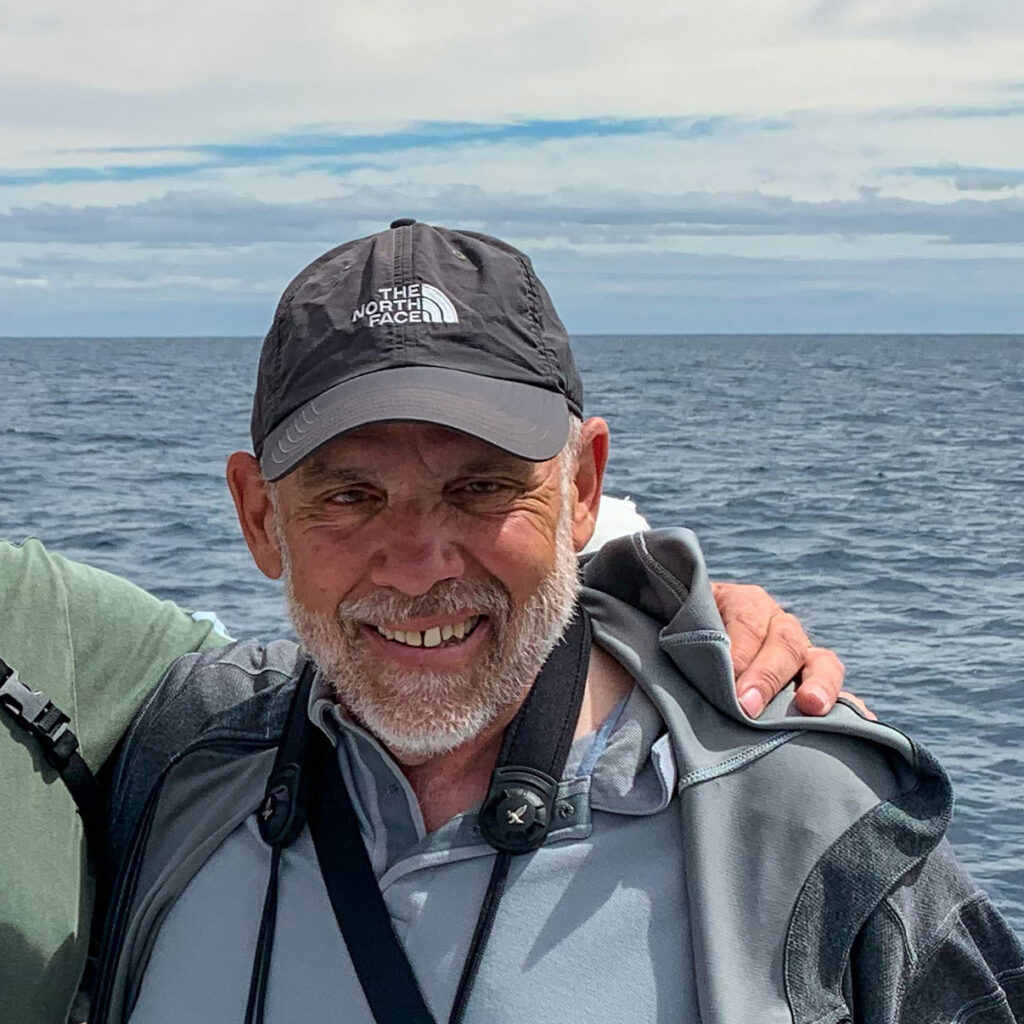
point(96, 645)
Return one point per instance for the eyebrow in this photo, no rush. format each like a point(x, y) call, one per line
point(501, 463)
point(316, 473)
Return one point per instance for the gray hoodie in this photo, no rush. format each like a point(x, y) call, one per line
point(817, 882)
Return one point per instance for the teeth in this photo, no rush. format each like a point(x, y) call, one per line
point(432, 637)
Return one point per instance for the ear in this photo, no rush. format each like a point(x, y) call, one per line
point(589, 479)
point(255, 512)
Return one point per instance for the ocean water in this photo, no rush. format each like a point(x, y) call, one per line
point(874, 484)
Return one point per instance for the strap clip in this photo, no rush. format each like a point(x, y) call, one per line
point(516, 815)
point(42, 718)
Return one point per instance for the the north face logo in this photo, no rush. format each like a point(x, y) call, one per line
point(414, 304)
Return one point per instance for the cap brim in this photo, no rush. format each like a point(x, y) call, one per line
point(527, 421)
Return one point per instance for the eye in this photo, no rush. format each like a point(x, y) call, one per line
point(483, 487)
point(351, 496)
point(484, 494)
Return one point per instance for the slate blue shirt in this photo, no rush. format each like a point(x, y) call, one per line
point(592, 927)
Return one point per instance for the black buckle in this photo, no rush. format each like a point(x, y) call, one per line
point(516, 814)
point(281, 816)
point(42, 718)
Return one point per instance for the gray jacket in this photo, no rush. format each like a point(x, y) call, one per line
point(849, 907)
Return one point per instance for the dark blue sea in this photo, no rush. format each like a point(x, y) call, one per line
point(874, 484)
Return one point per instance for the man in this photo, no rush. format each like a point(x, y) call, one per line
point(422, 487)
point(97, 645)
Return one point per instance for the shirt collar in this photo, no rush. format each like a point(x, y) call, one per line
point(628, 759)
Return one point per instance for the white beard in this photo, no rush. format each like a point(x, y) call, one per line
point(423, 714)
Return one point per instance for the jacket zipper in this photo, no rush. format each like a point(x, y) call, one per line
point(124, 889)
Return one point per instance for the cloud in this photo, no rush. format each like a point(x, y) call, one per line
point(971, 179)
point(341, 152)
point(692, 293)
point(191, 156)
point(125, 291)
point(615, 260)
point(584, 217)
point(952, 112)
point(928, 20)
point(807, 156)
point(109, 73)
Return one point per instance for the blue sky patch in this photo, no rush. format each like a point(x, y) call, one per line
point(338, 152)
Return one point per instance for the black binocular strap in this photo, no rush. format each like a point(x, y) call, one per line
point(532, 759)
point(281, 817)
point(380, 962)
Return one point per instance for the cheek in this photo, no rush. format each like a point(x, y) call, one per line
point(323, 571)
point(519, 554)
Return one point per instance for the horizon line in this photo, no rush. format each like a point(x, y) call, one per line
point(572, 335)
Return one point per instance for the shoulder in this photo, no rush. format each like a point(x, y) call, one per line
point(947, 950)
point(94, 642)
point(35, 636)
point(240, 691)
point(196, 686)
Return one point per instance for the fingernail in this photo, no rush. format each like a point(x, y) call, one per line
point(817, 698)
point(752, 702)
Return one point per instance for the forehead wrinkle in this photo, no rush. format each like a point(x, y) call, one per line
point(317, 472)
point(439, 453)
point(497, 462)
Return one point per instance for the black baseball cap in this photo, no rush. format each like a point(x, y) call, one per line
point(415, 323)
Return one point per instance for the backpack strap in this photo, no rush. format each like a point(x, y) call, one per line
point(32, 712)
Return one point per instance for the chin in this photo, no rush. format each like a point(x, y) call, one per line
point(421, 744)
point(425, 714)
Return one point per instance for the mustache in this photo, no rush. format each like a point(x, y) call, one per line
point(446, 597)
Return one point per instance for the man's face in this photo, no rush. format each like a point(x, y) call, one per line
point(430, 574)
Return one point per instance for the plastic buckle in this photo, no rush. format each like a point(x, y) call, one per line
point(516, 814)
point(46, 721)
point(280, 816)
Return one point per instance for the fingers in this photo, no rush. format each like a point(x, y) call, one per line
point(820, 687)
point(781, 656)
point(770, 648)
point(821, 680)
point(745, 611)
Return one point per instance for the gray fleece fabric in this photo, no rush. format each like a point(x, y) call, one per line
point(706, 869)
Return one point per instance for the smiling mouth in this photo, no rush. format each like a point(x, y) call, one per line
point(437, 636)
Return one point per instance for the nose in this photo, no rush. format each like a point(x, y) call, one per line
point(415, 549)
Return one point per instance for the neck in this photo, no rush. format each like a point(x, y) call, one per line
point(452, 783)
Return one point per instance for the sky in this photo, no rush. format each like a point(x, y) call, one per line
point(746, 166)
